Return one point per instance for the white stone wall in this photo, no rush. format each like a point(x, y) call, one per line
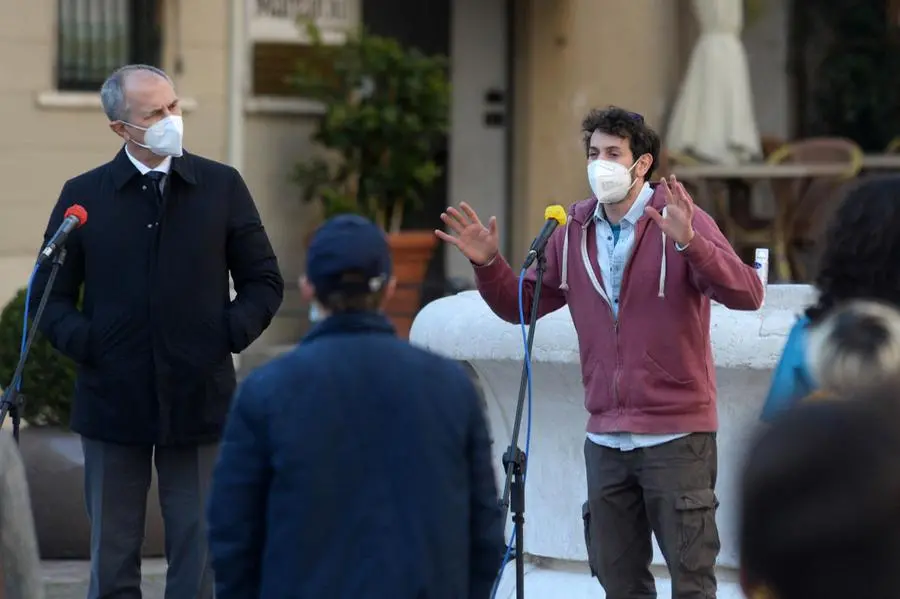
point(746, 346)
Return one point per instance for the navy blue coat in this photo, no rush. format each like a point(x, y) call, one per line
point(154, 338)
point(355, 466)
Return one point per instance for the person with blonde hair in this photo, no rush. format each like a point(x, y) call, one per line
point(855, 348)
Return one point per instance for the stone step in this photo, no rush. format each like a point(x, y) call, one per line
point(69, 579)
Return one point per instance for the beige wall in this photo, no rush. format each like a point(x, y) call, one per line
point(573, 55)
point(276, 140)
point(50, 137)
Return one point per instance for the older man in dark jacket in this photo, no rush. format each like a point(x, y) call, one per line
point(356, 465)
point(156, 329)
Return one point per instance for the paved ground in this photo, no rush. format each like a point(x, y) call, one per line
point(69, 580)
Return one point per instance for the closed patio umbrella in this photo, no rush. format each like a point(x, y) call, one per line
point(713, 116)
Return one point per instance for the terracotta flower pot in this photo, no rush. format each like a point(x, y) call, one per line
point(411, 252)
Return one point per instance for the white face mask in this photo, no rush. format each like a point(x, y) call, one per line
point(610, 181)
point(164, 137)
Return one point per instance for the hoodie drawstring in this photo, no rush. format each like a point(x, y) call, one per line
point(564, 282)
point(662, 263)
point(564, 279)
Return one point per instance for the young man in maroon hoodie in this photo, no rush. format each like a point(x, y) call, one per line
point(637, 263)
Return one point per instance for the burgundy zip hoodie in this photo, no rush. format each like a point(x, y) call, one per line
point(652, 370)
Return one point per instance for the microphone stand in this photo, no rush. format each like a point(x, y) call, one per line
point(13, 401)
point(514, 460)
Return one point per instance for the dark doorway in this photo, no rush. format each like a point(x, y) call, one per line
point(423, 24)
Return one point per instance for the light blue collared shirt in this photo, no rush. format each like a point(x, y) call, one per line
point(614, 246)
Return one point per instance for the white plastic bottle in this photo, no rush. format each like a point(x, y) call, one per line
point(761, 264)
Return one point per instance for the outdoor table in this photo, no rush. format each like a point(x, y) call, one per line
point(703, 175)
point(881, 162)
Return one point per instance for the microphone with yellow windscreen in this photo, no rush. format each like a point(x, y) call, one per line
point(557, 213)
point(555, 216)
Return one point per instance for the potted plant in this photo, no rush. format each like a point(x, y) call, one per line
point(386, 115)
point(51, 453)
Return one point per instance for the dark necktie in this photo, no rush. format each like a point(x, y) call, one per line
point(157, 179)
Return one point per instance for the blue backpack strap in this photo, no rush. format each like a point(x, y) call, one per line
point(791, 380)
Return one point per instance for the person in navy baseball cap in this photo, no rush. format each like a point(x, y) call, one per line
point(348, 268)
point(314, 472)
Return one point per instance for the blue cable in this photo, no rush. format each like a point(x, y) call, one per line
point(512, 538)
point(18, 382)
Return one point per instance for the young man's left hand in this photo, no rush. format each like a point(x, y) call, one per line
point(677, 223)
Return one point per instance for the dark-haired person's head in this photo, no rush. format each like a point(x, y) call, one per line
point(820, 504)
point(348, 267)
point(861, 247)
point(622, 153)
point(856, 348)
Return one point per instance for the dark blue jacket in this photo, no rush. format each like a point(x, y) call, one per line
point(154, 337)
point(355, 466)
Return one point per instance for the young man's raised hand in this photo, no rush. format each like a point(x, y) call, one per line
point(478, 243)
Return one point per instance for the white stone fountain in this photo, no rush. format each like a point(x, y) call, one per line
point(746, 346)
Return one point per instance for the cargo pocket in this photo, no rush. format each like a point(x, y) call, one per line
point(586, 518)
point(699, 535)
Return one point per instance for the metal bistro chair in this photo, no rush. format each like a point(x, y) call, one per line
point(893, 147)
point(804, 205)
point(730, 202)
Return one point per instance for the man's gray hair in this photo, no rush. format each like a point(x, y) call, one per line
point(112, 94)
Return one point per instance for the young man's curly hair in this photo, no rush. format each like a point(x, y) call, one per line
point(861, 258)
point(627, 125)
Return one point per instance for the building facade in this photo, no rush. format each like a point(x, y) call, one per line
point(524, 73)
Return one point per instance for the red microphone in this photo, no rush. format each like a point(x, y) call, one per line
point(75, 217)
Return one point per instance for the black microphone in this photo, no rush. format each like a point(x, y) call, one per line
point(556, 216)
point(75, 217)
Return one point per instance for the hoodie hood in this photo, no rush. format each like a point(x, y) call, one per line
point(582, 213)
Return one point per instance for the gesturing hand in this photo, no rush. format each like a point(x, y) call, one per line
point(677, 223)
point(476, 242)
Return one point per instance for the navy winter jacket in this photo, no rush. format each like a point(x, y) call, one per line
point(355, 466)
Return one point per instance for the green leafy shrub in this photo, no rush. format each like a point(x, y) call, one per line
point(387, 110)
point(48, 381)
point(847, 57)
